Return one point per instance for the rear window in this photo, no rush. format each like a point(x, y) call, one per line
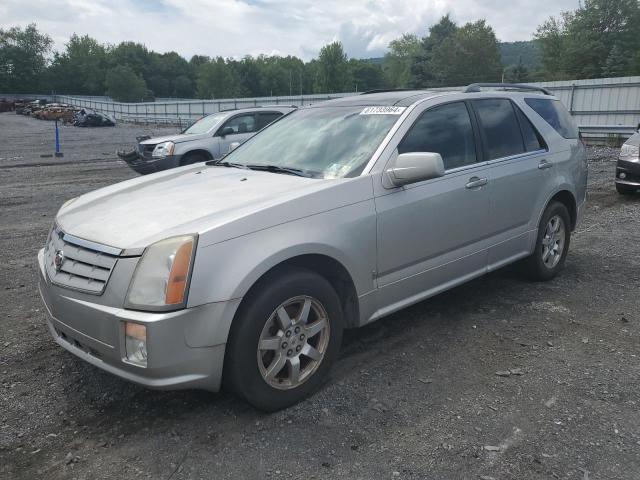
point(554, 113)
point(500, 127)
point(532, 139)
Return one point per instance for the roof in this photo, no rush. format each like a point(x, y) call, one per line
point(401, 98)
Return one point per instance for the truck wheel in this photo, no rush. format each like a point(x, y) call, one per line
point(552, 244)
point(284, 340)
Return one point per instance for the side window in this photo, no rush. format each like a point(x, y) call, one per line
point(445, 130)
point(532, 139)
point(500, 127)
point(554, 113)
point(242, 124)
point(266, 118)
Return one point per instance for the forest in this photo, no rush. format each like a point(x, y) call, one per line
point(599, 39)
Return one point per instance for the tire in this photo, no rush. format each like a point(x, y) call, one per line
point(543, 265)
point(265, 378)
point(192, 158)
point(625, 189)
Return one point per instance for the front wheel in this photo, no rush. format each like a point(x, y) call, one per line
point(193, 158)
point(284, 340)
point(552, 244)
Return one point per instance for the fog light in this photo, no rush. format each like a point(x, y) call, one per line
point(623, 175)
point(135, 343)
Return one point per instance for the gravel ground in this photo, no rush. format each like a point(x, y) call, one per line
point(499, 378)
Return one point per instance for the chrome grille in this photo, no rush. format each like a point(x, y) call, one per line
point(79, 266)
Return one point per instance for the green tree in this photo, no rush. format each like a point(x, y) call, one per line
point(81, 68)
point(216, 79)
point(365, 75)
point(421, 71)
point(125, 85)
point(517, 73)
point(333, 72)
point(597, 39)
point(398, 61)
point(470, 55)
point(23, 59)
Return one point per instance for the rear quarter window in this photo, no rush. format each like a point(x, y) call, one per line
point(554, 113)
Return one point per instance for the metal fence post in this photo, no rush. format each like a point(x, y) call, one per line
point(573, 91)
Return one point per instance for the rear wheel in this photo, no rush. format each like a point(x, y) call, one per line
point(284, 340)
point(625, 189)
point(552, 244)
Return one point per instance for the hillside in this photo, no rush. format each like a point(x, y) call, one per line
point(511, 52)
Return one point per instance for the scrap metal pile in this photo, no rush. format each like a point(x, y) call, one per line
point(68, 114)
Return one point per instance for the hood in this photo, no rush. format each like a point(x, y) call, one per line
point(192, 199)
point(177, 138)
point(634, 139)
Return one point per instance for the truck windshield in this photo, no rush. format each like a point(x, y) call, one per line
point(205, 124)
point(322, 142)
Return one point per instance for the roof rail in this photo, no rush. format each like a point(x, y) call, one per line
point(475, 87)
point(386, 90)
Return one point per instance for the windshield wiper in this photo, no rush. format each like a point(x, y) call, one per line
point(215, 163)
point(279, 169)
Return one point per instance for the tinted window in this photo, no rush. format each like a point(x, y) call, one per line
point(532, 139)
point(445, 130)
point(500, 127)
point(242, 124)
point(554, 113)
point(265, 119)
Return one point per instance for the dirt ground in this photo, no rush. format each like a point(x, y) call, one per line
point(414, 396)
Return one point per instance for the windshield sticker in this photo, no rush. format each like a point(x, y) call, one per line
point(383, 111)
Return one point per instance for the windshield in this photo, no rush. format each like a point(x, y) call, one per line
point(324, 142)
point(205, 124)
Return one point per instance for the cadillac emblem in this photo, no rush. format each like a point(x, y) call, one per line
point(58, 259)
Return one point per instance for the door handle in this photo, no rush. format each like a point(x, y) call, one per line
point(543, 165)
point(476, 182)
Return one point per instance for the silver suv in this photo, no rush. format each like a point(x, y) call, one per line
point(244, 272)
point(209, 138)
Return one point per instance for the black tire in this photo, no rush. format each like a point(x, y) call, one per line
point(242, 373)
point(625, 189)
point(192, 158)
point(534, 265)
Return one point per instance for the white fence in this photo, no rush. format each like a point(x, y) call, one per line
point(182, 112)
point(602, 107)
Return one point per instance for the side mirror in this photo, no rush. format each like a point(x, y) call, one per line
point(226, 131)
point(233, 146)
point(415, 167)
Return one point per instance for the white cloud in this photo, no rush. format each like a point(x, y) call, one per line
point(235, 28)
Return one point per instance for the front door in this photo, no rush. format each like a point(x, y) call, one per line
point(433, 234)
point(243, 126)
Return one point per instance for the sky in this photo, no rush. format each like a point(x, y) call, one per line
point(235, 28)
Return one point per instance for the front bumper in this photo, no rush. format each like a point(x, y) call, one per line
point(185, 348)
point(144, 166)
point(631, 171)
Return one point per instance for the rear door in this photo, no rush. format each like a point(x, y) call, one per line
point(516, 154)
point(265, 118)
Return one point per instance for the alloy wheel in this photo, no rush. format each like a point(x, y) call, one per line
point(553, 242)
point(293, 342)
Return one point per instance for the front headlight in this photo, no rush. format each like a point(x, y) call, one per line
point(163, 150)
point(630, 152)
point(161, 277)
